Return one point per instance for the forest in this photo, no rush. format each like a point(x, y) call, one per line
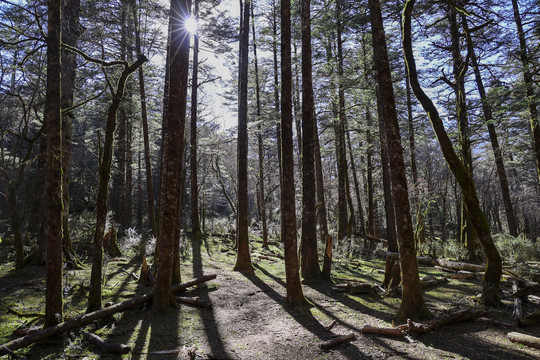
point(264, 179)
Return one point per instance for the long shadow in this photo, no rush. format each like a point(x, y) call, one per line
point(207, 316)
point(306, 319)
point(326, 289)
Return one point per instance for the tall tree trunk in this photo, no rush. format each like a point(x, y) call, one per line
point(243, 259)
point(139, 192)
point(173, 151)
point(343, 220)
point(94, 295)
point(497, 151)
point(196, 233)
point(118, 191)
point(412, 304)
point(308, 244)
point(277, 104)
point(469, 237)
point(71, 30)
point(492, 277)
point(53, 192)
point(262, 197)
point(144, 120)
point(295, 295)
point(532, 98)
point(11, 197)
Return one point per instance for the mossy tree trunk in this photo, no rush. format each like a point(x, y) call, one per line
point(492, 277)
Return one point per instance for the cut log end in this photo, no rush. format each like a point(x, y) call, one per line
point(106, 346)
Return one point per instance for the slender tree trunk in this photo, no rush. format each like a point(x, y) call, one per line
point(262, 197)
point(243, 259)
point(532, 98)
point(118, 191)
point(144, 120)
point(94, 295)
point(412, 304)
point(295, 295)
point(308, 242)
point(53, 192)
point(173, 151)
point(71, 30)
point(468, 233)
point(497, 151)
point(277, 104)
point(196, 233)
point(492, 277)
point(343, 220)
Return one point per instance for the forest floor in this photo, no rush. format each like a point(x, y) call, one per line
point(248, 319)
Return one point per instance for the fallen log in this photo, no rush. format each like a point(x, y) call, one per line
point(460, 276)
point(330, 343)
point(460, 265)
point(106, 346)
point(414, 328)
point(193, 301)
point(530, 319)
point(524, 339)
point(86, 319)
point(368, 329)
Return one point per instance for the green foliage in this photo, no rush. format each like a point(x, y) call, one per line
point(517, 250)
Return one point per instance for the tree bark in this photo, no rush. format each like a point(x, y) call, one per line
point(412, 304)
point(343, 219)
point(196, 233)
point(173, 151)
point(490, 290)
point(243, 259)
point(308, 244)
point(53, 192)
point(295, 295)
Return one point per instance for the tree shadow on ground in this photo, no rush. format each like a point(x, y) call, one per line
point(213, 336)
point(306, 319)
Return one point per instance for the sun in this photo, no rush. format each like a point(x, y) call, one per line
point(191, 25)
